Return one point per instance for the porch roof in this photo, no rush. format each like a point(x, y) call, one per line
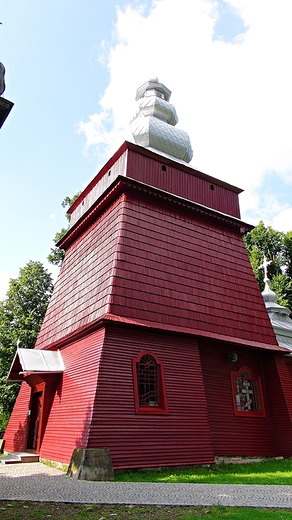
point(31, 361)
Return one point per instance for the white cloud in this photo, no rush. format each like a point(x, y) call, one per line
point(283, 221)
point(233, 99)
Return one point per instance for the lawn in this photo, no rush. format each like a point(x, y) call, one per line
point(269, 472)
point(38, 511)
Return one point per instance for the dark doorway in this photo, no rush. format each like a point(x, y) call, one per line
point(35, 419)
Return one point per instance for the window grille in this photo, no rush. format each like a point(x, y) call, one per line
point(247, 393)
point(148, 381)
point(149, 384)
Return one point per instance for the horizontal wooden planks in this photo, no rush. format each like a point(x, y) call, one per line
point(279, 391)
point(134, 440)
point(70, 417)
point(233, 435)
point(16, 431)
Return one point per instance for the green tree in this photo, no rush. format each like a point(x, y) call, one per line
point(277, 248)
point(21, 316)
point(56, 256)
point(288, 253)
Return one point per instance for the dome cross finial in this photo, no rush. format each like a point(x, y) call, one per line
point(264, 266)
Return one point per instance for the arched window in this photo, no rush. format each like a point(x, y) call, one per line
point(149, 385)
point(247, 393)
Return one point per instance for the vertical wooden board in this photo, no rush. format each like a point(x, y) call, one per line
point(183, 181)
point(232, 435)
point(177, 268)
point(83, 290)
point(180, 438)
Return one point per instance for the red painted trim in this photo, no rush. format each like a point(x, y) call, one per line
point(247, 413)
point(150, 410)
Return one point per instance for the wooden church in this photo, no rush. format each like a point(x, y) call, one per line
point(156, 343)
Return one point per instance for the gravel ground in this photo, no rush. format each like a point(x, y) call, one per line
point(38, 482)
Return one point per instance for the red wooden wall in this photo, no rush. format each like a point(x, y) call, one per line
point(67, 423)
point(152, 259)
point(83, 290)
point(94, 402)
point(16, 431)
point(233, 435)
point(71, 412)
point(177, 269)
point(161, 263)
point(143, 165)
point(134, 440)
point(183, 181)
point(279, 391)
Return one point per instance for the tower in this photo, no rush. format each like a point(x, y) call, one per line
point(155, 297)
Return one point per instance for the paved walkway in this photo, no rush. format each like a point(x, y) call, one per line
point(40, 483)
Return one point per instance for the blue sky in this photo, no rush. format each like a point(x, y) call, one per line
point(72, 69)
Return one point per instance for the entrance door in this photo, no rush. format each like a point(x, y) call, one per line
point(35, 419)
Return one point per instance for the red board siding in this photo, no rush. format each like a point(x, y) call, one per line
point(180, 270)
point(83, 290)
point(16, 431)
point(233, 435)
point(134, 440)
point(279, 390)
point(180, 179)
point(68, 425)
point(158, 264)
point(183, 181)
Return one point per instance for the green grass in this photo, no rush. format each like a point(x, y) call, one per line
point(38, 511)
point(278, 472)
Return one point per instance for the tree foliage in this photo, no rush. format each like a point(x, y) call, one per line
point(21, 316)
point(277, 248)
point(56, 256)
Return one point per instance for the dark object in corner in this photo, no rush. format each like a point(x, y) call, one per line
point(2, 442)
point(5, 108)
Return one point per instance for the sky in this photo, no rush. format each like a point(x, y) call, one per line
point(72, 71)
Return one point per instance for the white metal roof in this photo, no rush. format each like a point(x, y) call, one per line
point(36, 361)
point(279, 316)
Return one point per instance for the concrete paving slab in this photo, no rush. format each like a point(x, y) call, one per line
point(37, 482)
point(18, 457)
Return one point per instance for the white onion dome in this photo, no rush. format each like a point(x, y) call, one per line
point(153, 125)
point(268, 295)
